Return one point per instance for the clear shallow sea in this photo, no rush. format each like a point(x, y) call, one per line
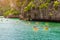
point(15, 29)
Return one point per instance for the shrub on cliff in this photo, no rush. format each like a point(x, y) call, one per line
point(11, 12)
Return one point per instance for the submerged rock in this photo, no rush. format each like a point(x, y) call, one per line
point(35, 28)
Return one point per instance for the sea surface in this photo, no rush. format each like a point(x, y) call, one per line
point(16, 29)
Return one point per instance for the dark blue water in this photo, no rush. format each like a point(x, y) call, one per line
point(15, 29)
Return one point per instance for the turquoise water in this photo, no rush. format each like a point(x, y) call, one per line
point(15, 29)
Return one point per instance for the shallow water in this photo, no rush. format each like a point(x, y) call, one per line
point(15, 29)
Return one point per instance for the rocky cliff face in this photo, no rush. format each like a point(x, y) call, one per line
point(7, 4)
point(3, 4)
point(41, 10)
point(34, 9)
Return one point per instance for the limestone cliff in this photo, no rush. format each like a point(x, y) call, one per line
point(40, 10)
point(6, 5)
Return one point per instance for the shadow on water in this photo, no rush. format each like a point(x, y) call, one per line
point(54, 21)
